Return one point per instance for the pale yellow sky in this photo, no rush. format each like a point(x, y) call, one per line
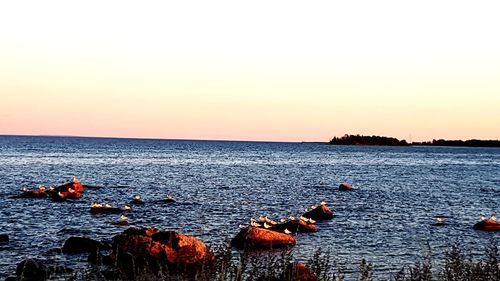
point(262, 70)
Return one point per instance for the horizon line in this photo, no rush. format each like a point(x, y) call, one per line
point(222, 140)
point(155, 138)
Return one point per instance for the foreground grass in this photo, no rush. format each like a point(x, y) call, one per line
point(456, 266)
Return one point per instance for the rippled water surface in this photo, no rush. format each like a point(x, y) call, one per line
point(219, 185)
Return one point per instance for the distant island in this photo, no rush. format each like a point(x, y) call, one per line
point(367, 140)
point(389, 141)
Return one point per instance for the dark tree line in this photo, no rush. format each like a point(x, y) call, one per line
point(468, 143)
point(367, 140)
point(388, 141)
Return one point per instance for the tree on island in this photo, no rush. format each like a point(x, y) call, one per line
point(367, 140)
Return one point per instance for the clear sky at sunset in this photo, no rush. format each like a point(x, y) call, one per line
point(253, 70)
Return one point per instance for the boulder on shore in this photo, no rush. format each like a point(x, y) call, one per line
point(259, 238)
point(166, 248)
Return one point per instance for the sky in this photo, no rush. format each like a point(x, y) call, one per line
point(258, 70)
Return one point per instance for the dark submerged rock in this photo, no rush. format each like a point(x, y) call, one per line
point(78, 245)
point(4, 238)
point(137, 201)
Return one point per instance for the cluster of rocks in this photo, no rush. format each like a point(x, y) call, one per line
point(165, 248)
point(105, 208)
point(268, 234)
point(133, 251)
point(71, 190)
point(137, 249)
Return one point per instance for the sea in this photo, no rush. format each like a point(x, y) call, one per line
point(388, 219)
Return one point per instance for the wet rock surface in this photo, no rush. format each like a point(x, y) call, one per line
point(321, 212)
point(487, 225)
point(164, 246)
point(156, 251)
point(253, 238)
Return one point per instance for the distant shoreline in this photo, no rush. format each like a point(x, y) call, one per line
point(354, 140)
point(460, 143)
point(360, 140)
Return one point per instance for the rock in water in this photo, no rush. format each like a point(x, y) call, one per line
point(487, 225)
point(258, 238)
point(321, 212)
point(75, 185)
point(297, 225)
point(345, 187)
point(78, 245)
point(4, 238)
point(32, 194)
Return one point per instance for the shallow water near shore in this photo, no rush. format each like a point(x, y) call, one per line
point(218, 185)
